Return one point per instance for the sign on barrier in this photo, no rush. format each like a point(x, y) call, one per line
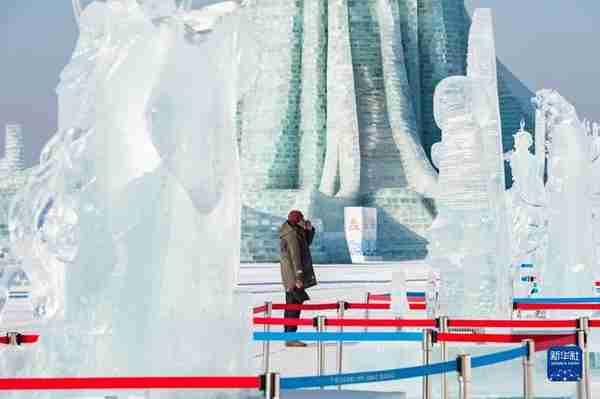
point(565, 364)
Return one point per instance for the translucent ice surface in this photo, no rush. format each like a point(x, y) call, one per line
point(570, 249)
point(129, 227)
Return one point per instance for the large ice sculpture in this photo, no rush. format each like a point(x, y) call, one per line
point(137, 197)
point(469, 240)
point(570, 253)
point(462, 234)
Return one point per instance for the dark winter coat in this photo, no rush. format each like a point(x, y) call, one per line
point(296, 260)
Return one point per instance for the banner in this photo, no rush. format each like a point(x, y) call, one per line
point(361, 233)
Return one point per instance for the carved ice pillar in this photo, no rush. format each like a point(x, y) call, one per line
point(343, 148)
point(269, 113)
point(409, 20)
point(313, 102)
point(420, 175)
point(481, 66)
point(432, 48)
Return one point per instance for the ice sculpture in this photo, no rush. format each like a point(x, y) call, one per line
point(482, 65)
point(569, 257)
point(137, 197)
point(461, 236)
point(528, 207)
point(469, 239)
point(595, 193)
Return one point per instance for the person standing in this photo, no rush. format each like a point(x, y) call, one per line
point(297, 272)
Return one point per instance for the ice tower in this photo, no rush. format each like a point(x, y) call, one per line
point(342, 114)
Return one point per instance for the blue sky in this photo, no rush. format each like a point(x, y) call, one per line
point(546, 43)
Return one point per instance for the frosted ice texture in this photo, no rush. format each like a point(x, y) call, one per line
point(342, 157)
point(313, 110)
point(461, 236)
point(469, 239)
point(569, 258)
point(528, 209)
point(420, 174)
point(482, 66)
point(269, 112)
point(13, 150)
point(137, 199)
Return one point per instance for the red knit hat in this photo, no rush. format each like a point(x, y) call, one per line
point(295, 216)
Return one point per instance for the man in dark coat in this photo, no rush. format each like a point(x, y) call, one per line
point(297, 272)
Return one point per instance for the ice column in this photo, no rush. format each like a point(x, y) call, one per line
point(314, 93)
point(481, 66)
point(420, 174)
point(342, 159)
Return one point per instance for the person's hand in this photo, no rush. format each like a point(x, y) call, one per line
point(299, 284)
point(307, 225)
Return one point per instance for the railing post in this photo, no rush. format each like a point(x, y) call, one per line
point(528, 369)
point(367, 297)
point(267, 343)
point(583, 385)
point(464, 375)
point(427, 348)
point(443, 328)
point(272, 386)
point(398, 328)
point(340, 344)
point(321, 346)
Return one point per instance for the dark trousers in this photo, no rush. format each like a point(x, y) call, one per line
point(291, 299)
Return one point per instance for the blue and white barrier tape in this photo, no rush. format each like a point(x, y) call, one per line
point(368, 377)
point(399, 374)
point(500, 357)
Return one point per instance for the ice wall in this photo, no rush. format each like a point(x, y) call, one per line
point(137, 197)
